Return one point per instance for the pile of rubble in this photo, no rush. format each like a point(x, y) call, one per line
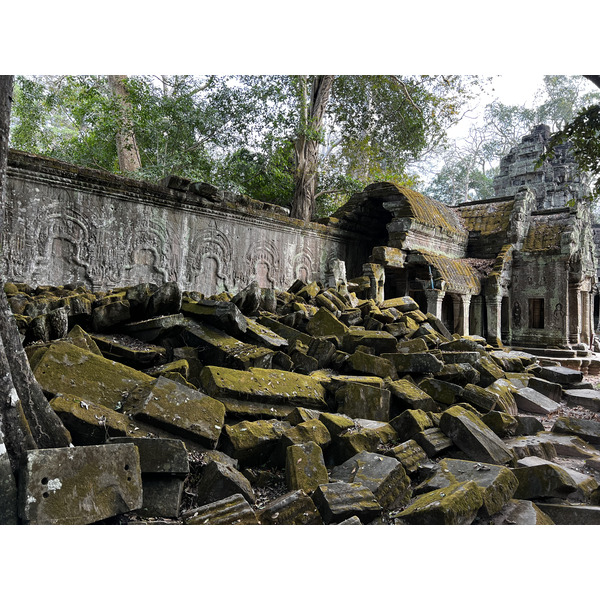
point(306, 406)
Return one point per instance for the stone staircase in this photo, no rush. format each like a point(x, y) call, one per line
point(582, 360)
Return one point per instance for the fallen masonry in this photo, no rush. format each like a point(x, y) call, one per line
point(313, 405)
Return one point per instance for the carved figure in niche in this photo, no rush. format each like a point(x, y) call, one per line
point(262, 274)
point(559, 315)
point(144, 267)
point(516, 314)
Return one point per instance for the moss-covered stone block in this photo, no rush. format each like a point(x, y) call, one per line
point(325, 323)
point(506, 400)
point(293, 508)
point(456, 504)
point(433, 441)
point(497, 484)
point(383, 475)
point(543, 481)
point(416, 362)
point(473, 436)
point(380, 341)
point(406, 395)
point(363, 401)
point(488, 370)
point(79, 485)
point(72, 371)
point(352, 441)
point(129, 351)
point(443, 392)
point(305, 467)
point(233, 510)
point(336, 423)
point(253, 442)
point(368, 364)
point(264, 385)
point(339, 501)
point(501, 423)
point(409, 423)
point(219, 481)
point(410, 455)
point(109, 315)
point(308, 431)
point(177, 408)
point(482, 399)
point(225, 316)
point(520, 512)
point(587, 430)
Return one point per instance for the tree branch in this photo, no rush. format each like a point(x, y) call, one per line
point(406, 92)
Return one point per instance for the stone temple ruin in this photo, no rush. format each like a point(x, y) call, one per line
point(413, 372)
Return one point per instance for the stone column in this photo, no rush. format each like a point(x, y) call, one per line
point(586, 319)
point(376, 275)
point(462, 305)
point(573, 313)
point(434, 302)
point(494, 308)
point(477, 305)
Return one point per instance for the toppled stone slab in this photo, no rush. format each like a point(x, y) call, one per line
point(264, 385)
point(568, 445)
point(383, 475)
point(406, 395)
point(416, 362)
point(150, 330)
point(565, 514)
point(234, 510)
point(409, 423)
point(79, 485)
point(220, 481)
point(586, 398)
point(529, 400)
point(129, 351)
point(497, 484)
point(473, 436)
point(543, 481)
point(443, 392)
point(312, 430)
point(552, 390)
point(410, 455)
point(505, 391)
point(502, 424)
point(90, 423)
point(361, 362)
point(561, 375)
point(69, 370)
point(456, 504)
point(339, 501)
point(221, 315)
point(531, 445)
point(433, 441)
point(305, 467)
point(588, 431)
point(521, 512)
point(325, 323)
point(293, 508)
point(380, 341)
point(259, 334)
point(177, 408)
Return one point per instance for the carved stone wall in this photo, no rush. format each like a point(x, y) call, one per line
point(65, 224)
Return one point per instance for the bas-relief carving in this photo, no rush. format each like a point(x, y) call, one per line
point(303, 266)
point(208, 268)
point(262, 263)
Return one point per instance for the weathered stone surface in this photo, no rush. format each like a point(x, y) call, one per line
point(409, 423)
point(531, 445)
point(252, 442)
point(301, 415)
point(234, 510)
point(586, 398)
point(552, 390)
point(383, 475)
point(489, 371)
point(363, 402)
point(568, 445)
point(521, 512)
point(588, 431)
point(263, 336)
point(456, 504)
point(417, 362)
point(177, 408)
point(90, 423)
point(481, 398)
point(159, 455)
point(380, 341)
point(325, 323)
point(220, 481)
point(322, 350)
point(264, 385)
point(72, 371)
point(501, 423)
point(361, 362)
point(352, 441)
point(152, 329)
point(410, 455)
point(497, 484)
point(129, 351)
point(403, 304)
point(506, 400)
point(561, 375)
point(543, 481)
point(442, 391)
point(225, 316)
point(459, 373)
point(339, 501)
point(305, 467)
point(433, 441)
point(293, 508)
point(406, 395)
point(529, 400)
point(8, 489)
point(216, 347)
point(528, 425)
point(473, 436)
point(166, 300)
point(75, 486)
point(336, 423)
point(162, 496)
point(308, 431)
point(108, 315)
point(564, 514)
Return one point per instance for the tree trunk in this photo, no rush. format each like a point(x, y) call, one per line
point(26, 419)
point(127, 149)
point(306, 148)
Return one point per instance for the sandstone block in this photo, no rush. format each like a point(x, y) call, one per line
point(108, 315)
point(79, 485)
point(253, 442)
point(543, 481)
point(587, 398)
point(305, 467)
point(481, 398)
point(521, 512)
point(588, 431)
point(380, 341)
point(406, 395)
point(409, 423)
point(234, 510)
point(456, 504)
point(8, 489)
point(293, 508)
point(501, 423)
point(561, 375)
point(410, 455)
point(264, 385)
point(433, 441)
point(564, 514)
point(473, 436)
point(308, 431)
point(363, 402)
point(417, 362)
point(552, 390)
point(368, 364)
point(529, 400)
point(531, 445)
point(225, 316)
point(220, 481)
point(442, 391)
point(177, 408)
point(383, 475)
point(339, 501)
